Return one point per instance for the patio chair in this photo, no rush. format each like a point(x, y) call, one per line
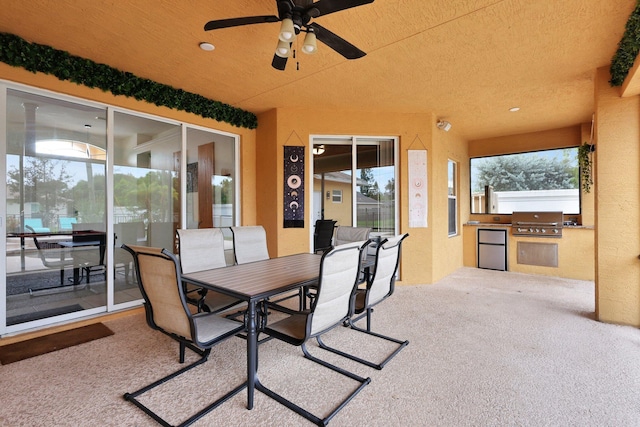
point(34, 225)
point(323, 235)
point(203, 249)
point(92, 260)
point(66, 223)
point(343, 235)
point(379, 288)
point(53, 256)
point(249, 244)
point(346, 234)
point(159, 279)
point(338, 275)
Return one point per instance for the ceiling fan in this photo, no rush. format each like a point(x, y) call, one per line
point(295, 16)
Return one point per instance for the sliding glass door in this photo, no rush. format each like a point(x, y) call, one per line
point(146, 192)
point(55, 208)
point(81, 180)
point(355, 182)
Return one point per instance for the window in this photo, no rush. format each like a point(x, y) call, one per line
point(537, 181)
point(453, 198)
point(336, 196)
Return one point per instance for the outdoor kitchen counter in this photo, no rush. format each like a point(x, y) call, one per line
point(501, 225)
point(576, 253)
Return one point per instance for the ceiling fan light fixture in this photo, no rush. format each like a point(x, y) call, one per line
point(310, 46)
point(283, 49)
point(287, 31)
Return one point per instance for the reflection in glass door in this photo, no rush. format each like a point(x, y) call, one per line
point(67, 214)
point(355, 183)
point(375, 204)
point(211, 183)
point(146, 192)
point(55, 209)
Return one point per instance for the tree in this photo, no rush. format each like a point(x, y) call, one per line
point(225, 190)
point(45, 181)
point(390, 190)
point(527, 171)
point(371, 188)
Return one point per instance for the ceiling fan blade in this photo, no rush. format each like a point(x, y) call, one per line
point(336, 42)
point(279, 62)
point(235, 22)
point(326, 7)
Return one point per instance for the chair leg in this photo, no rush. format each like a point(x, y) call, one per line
point(308, 415)
point(378, 366)
point(132, 397)
point(182, 351)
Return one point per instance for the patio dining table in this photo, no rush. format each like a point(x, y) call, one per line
point(254, 282)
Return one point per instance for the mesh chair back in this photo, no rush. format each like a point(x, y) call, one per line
point(323, 234)
point(338, 276)
point(351, 234)
point(159, 281)
point(201, 249)
point(249, 244)
point(387, 260)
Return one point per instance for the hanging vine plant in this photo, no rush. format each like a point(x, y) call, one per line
point(585, 162)
point(34, 57)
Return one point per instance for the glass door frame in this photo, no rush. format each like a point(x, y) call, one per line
point(353, 140)
point(110, 110)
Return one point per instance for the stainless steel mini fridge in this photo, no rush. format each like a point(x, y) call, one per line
point(492, 249)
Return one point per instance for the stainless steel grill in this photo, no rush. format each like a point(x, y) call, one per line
point(537, 224)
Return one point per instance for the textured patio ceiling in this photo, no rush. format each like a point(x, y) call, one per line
point(467, 61)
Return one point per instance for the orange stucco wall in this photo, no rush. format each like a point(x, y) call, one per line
point(617, 204)
point(428, 254)
point(262, 168)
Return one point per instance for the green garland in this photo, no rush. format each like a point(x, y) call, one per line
point(34, 57)
point(628, 49)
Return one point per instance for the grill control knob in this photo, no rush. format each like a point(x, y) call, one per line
point(531, 230)
point(544, 230)
point(555, 230)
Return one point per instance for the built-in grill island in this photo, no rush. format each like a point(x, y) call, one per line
point(537, 224)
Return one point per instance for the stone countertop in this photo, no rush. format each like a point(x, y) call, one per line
point(496, 224)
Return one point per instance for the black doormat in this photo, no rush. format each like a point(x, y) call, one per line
point(37, 315)
point(46, 344)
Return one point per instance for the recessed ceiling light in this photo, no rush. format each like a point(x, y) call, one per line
point(514, 109)
point(207, 46)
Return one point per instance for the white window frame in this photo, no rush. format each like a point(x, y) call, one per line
point(452, 198)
